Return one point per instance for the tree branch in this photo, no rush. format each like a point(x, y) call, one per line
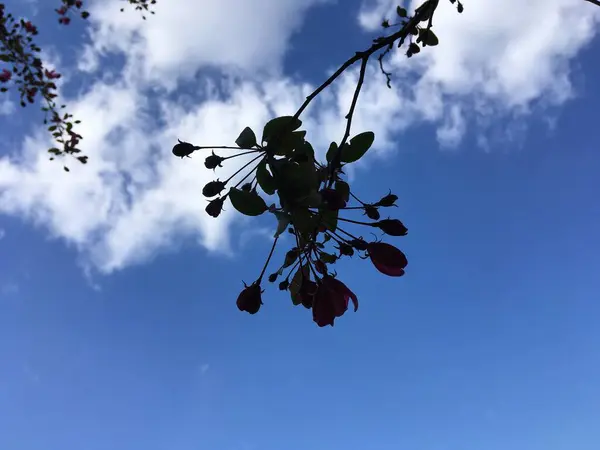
point(420, 13)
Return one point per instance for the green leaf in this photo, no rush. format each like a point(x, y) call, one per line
point(52, 128)
point(329, 219)
point(289, 142)
point(283, 220)
point(296, 181)
point(359, 145)
point(327, 258)
point(278, 125)
point(428, 37)
point(291, 257)
point(296, 284)
point(331, 152)
point(306, 149)
point(303, 221)
point(401, 11)
point(265, 179)
point(248, 203)
point(314, 200)
point(344, 189)
point(246, 139)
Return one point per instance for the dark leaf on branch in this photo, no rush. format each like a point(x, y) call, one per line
point(248, 203)
point(359, 145)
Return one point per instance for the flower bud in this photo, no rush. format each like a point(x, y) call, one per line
point(213, 161)
point(387, 259)
point(346, 249)
point(321, 267)
point(249, 299)
point(184, 149)
point(284, 285)
point(273, 277)
point(372, 212)
point(359, 244)
point(215, 207)
point(213, 188)
point(393, 227)
point(388, 200)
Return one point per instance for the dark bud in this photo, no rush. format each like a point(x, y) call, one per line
point(215, 207)
point(359, 244)
point(414, 48)
point(213, 188)
point(321, 267)
point(273, 277)
point(346, 249)
point(372, 212)
point(460, 8)
point(184, 149)
point(247, 187)
point(333, 198)
point(388, 200)
point(284, 285)
point(393, 227)
point(249, 299)
point(213, 161)
point(387, 259)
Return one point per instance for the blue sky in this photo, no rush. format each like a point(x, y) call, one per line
point(118, 325)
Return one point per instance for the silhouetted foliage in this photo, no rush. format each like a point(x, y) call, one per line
point(310, 196)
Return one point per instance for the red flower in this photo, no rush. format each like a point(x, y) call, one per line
point(51, 74)
point(331, 301)
point(62, 10)
point(387, 259)
point(5, 75)
point(64, 20)
point(249, 299)
point(30, 27)
point(78, 3)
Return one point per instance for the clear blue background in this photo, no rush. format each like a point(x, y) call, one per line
point(490, 342)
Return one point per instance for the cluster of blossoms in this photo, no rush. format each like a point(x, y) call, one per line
point(311, 197)
point(27, 73)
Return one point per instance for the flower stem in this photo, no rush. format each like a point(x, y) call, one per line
point(268, 260)
point(242, 168)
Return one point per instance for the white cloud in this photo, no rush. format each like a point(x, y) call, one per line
point(134, 199)
point(184, 36)
point(500, 57)
point(7, 107)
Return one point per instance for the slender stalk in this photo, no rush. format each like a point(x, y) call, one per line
point(242, 168)
point(268, 260)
